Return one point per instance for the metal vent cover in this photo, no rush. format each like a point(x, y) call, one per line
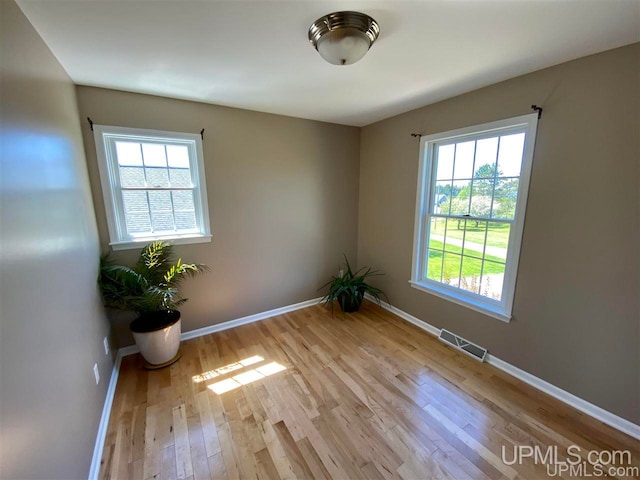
point(465, 346)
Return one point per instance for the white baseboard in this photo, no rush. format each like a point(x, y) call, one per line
point(218, 327)
point(94, 471)
point(131, 349)
point(409, 318)
point(578, 403)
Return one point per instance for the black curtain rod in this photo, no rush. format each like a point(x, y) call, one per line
point(533, 107)
point(91, 125)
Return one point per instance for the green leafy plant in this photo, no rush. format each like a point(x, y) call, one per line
point(151, 285)
point(349, 288)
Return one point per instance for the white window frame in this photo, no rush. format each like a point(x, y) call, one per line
point(105, 137)
point(498, 309)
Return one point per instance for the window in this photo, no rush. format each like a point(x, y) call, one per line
point(153, 186)
point(470, 206)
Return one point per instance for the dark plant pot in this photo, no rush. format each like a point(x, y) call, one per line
point(152, 321)
point(349, 303)
point(157, 335)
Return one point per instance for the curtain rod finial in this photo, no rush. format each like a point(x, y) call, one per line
point(537, 109)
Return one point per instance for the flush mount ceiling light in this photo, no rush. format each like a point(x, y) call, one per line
point(342, 38)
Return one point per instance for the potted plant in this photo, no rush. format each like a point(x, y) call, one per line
point(150, 289)
point(349, 287)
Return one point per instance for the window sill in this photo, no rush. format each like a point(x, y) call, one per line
point(175, 240)
point(478, 306)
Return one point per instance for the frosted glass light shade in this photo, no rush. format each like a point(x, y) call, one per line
point(344, 46)
point(343, 38)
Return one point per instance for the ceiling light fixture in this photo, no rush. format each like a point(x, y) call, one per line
point(343, 38)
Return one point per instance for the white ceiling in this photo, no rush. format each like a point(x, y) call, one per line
point(255, 54)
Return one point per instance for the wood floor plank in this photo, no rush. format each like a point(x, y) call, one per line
point(313, 461)
point(309, 395)
point(199, 459)
point(216, 467)
point(209, 430)
point(151, 459)
point(472, 443)
point(184, 466)
point(292, 451)
point(228, 453)
point(276, 451)
point(168, 463)
point(266, 468)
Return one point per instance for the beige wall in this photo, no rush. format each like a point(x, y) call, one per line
point(51, 320)
point(283, 200)
point(576, 316)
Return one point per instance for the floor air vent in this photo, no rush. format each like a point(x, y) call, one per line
point(463, 345)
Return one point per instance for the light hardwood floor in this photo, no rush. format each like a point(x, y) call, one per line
point(309, 395)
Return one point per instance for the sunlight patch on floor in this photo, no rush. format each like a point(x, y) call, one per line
point(219, 372)
point(245, 378)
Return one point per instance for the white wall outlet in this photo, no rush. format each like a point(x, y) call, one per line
point(106, 345)
point(96, 372)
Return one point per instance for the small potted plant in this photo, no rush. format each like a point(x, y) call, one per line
point(150, 289)
point(349, 287)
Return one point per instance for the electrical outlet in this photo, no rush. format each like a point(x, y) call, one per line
point(96, 372)
point(106, 345)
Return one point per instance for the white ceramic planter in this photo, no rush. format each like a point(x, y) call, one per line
point(159, 346)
